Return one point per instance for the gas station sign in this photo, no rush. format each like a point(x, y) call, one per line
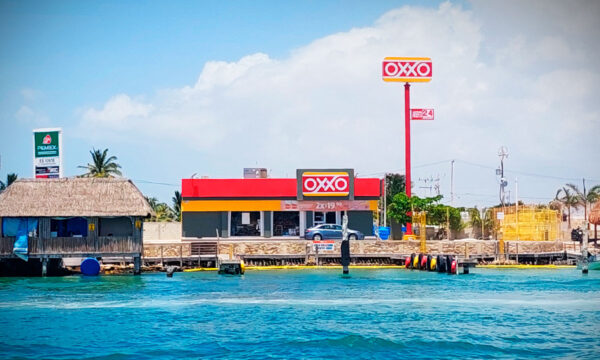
point(47, 153)
point(407, 69)
point(421, 114)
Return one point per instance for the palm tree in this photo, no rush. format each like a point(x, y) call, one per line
point(10, 178)
point(587, 198)
point(163, 211)
point(569, 199)
point(177, 205)
point(101, 166)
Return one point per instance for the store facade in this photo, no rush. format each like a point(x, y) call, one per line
point(278, 207)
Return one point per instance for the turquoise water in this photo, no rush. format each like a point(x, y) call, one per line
point(373, 314)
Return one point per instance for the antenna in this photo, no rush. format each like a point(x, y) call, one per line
point(502, 153)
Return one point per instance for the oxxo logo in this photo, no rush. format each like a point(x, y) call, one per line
point(325, 184)
point(47, 140)
point(407, 69)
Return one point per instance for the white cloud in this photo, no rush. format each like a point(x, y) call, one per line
point(326, 105)
point(27, 115)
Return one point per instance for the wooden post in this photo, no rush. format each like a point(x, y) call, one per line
point(181, 255)
point(44, 266)
point(162, 260)
point(137, 265)
point(517, 250)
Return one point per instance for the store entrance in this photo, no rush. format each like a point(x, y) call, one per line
point(322, 217)
point(286, 223)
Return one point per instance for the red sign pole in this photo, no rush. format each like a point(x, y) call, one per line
point(407, 148)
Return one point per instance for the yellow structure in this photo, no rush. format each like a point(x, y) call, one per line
point(528, 223)
point(420, 219)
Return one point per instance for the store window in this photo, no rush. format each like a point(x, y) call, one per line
point(245, 223)
point(325, 217)
point(286, 223)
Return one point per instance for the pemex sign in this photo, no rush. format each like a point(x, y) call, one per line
point(407, 69)
point(47, 153)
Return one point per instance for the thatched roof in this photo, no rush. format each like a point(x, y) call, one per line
point(73, 197)
point(595, 213)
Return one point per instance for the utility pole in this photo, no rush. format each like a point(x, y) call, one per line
point(584, 242)
point(517, 206)
point(384, 200)
point(452, 183)
point(502, 153)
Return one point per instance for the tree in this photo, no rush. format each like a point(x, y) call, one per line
point(177, 205)
point(10, 178)
point(162, 211)
point(476, 221)
point(568, 199)
point(101, 166)
point(437, 214)
point(590, 197)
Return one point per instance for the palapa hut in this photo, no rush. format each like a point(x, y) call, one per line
point(72, 217)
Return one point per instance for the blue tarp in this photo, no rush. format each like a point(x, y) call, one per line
point(19, 227)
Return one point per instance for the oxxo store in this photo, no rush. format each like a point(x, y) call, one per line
point(278, 207)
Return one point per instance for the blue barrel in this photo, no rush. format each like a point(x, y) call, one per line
point(384, 232)
point(90, 267)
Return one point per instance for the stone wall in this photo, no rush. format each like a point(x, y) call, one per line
point(362, 247)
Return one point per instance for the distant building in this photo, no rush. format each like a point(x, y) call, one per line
point(268, 207)
point(72, 217)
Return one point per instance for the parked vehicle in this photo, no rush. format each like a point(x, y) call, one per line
point(330, 231)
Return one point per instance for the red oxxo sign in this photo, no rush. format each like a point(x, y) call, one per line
point(421, 114)
point(325, 184)
point(407, 69)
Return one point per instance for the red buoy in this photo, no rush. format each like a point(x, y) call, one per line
point(407, 262)
point(453, 267)
point(423, 262)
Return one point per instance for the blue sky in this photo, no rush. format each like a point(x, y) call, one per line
point(177, 88)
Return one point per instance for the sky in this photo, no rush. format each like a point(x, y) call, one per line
point(177, 88)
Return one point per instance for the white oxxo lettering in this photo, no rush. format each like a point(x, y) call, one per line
point(326, 183)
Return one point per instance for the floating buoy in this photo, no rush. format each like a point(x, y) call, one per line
point(441, 263)
point(432, 264)
point(423, 262)
point(415, 263)
point(407, 263)
point(453, 267)
point(90, 267)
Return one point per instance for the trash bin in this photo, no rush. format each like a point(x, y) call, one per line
point(384, 232)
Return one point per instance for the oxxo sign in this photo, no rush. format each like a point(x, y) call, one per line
point(407, 69)
point(313, 183)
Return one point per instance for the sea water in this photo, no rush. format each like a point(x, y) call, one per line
point(308, 314)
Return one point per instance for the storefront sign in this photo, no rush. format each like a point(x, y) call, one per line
point(323, 245)
point(47, 153)
point(325, 184)
point(340, 205)
point(406, 69)
point(421, 114)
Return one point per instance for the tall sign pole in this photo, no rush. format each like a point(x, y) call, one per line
point(407, 148)
point(407, 70)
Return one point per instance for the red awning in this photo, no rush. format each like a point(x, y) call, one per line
point(261, 188)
